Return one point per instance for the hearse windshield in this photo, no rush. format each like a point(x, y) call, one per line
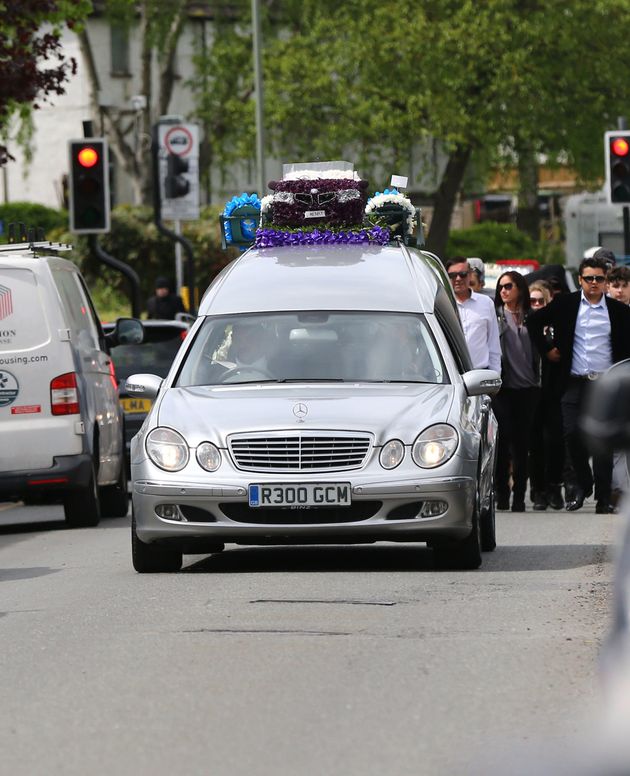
point(313, 346)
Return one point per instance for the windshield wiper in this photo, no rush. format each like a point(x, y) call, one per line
point(312, 380)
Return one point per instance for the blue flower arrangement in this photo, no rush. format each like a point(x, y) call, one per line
point(248, 224)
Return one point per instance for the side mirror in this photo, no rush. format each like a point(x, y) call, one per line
point(482, 382)
point(606, 421)
point(127, 331)
point(143, 386)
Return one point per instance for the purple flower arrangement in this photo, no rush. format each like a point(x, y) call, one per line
point(329, 201)
point(271, 238)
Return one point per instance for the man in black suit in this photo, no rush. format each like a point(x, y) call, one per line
point(591, 332)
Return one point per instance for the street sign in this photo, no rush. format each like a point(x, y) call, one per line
point(178, 171)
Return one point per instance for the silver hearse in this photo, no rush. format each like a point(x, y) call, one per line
point(324, 395)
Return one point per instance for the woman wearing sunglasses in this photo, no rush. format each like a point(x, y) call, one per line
point(515, 403)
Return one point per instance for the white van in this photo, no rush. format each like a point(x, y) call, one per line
point(61, 425)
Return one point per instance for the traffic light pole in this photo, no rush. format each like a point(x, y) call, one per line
point(177, 238)
point(124, 269)
point(626, 230)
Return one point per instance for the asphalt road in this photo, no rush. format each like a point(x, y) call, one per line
point(358, 660)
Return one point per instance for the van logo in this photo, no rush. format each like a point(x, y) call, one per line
point(9, 389)
point(6, 302)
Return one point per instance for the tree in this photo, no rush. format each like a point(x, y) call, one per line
point(27, 49)
point(159, 24)
point(503, 80)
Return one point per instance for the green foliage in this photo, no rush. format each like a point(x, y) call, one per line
point(134, 239)
point(31, 215)
point(491, 241)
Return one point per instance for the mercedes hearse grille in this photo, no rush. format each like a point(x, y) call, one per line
point(301, 452)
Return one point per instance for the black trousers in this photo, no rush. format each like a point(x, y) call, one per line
point(514, 409)
point(600, 476)
point(546, 445)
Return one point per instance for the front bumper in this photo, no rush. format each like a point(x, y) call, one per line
point(381, 511)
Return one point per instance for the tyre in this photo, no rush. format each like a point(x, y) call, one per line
point(82, 508)
point(488, 527)
point(152, 558)
point(464, 554)
point(115, 498)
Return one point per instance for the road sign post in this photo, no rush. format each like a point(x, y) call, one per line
point(175, 151)
point(178, 161)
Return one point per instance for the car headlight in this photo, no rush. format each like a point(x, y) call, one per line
point(167, 449)
point(392, 454)
point(208, 456)
point(434, 446)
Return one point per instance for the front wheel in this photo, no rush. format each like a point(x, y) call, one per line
point(152, 558)
point(464, 554)
point(82, 508)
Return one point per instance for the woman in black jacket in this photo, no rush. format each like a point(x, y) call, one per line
point(515, 403)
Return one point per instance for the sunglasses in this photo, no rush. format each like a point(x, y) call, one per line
point(462, 275)
point(506, 287)
point(593, 278)
point(537, 300)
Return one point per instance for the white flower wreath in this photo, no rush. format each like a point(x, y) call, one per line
point(393, 197)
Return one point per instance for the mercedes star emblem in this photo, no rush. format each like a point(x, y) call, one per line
point(300, 411)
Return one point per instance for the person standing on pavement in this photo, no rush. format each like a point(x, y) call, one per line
point(164, 304)
point(519, 396)
point(546, 442)
point(477, 316)
point(590, 333)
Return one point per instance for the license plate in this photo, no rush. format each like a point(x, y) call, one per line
point(312, 494)
point(135, 405)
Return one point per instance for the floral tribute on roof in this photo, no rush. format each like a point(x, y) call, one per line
point(392, 204)
point(239, 221)
point(320, 203)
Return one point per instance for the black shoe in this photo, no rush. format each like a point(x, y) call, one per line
point(518, 506)
point(576, 501)
point(503, 504)
point(554, 497)
point(604, 508)
point(540, 502)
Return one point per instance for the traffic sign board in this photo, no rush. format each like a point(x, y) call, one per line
point(180, 140)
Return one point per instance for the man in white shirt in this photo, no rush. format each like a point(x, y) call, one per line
point(478, 317)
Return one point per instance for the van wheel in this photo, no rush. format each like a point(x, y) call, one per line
point(115, 498)
point(82, 508)
point(152, 558)
point(464, 554)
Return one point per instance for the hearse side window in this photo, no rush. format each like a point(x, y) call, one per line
point(452, 328)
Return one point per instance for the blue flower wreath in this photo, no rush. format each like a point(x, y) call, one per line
point(248, 224)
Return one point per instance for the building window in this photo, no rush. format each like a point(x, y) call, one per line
point(119, 50)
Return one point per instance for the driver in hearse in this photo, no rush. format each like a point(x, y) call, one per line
point(250, 346)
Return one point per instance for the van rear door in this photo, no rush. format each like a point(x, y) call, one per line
point(32, 353)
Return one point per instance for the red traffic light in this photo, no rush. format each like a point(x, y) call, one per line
point(88, 156)
point(620, 147)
